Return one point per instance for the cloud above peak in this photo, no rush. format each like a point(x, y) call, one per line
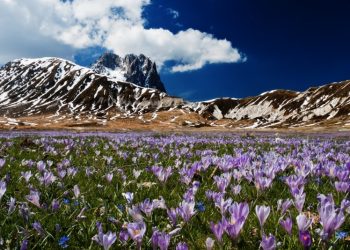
point(61, 27)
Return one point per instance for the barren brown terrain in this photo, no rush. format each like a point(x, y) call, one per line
point(162, 121)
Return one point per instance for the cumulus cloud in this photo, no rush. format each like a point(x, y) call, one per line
point(58, 28)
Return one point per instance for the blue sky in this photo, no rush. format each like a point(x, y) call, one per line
point(206, 48)
point(288, 44)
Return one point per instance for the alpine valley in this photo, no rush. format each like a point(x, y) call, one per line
point(127, 93)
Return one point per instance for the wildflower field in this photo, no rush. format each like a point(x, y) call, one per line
point(174, 191)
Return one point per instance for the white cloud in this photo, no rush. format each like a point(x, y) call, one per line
point(58, 28)
point(174, 13)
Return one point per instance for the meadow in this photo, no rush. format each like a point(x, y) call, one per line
point(174, 191)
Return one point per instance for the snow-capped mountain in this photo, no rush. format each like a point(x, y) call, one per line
point(48, 87)
point(139, 70)
point(283, 108)
point(53, 85)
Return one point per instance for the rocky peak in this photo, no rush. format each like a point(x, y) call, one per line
point(139, 70)
point(109, 60)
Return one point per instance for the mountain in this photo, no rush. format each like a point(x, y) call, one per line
point(283, 108)
point(139, 70)
point(50, 92)
point(53, 85)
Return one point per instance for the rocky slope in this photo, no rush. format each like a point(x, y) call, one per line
point(53, 85)
point(139, 70)
point(283, 108)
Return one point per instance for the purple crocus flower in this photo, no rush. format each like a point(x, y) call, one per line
point(2, 162)
point(108, 240)
point(128, 196)
point(159, 203)
point(209, 243)
point(105, 240)
point(48, 178)
point(284, 205)
point(238, 210)
point(239, 213)
point(109, 177)
point(287, 224)
point(49, 163)
point(24, 245)
point(330, 218)
point(61, 173)
point(186, 210)
point(72, 171)
point(88, 171)
point(181, 246)
point(222, 182)
point(187, 174)
point(136, 231)
point(34, 198)
point(41, 166)
point(24, 211)
point(262, 212)
point(154, 239)
point(172, 214)
point(37, 226)
point(325, 198)
point(190, 193)
point(218, 229)
point(303, 222)
point(136, 173)
point(12, 205)
point(342, 186)
point(66, 162)
point(236, 189)
point(262, 183)
point(55, 205)
point(76, 191)
point(147, 207)
point(108, 159)
point(135, 213)
point(161, 240)
point(26, 175)
point(221, 203)
point(345, 206)
point(305, 239)
point(268, 242)
point(123, 235)
point(2, 188)
point(299, 200)
point(162, 173)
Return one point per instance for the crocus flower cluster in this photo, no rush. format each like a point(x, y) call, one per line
point(173, 191)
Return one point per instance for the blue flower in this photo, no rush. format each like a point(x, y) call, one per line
point(62, 242)
point(200, 206)
point(66, 201)
point(340, 235)
point(76, 203)
point(120, 207)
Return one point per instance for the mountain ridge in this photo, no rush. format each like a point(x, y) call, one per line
point(54, 87)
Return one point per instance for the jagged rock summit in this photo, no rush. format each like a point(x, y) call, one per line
point(139, 70)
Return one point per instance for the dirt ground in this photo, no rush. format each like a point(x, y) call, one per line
point(164, 121)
